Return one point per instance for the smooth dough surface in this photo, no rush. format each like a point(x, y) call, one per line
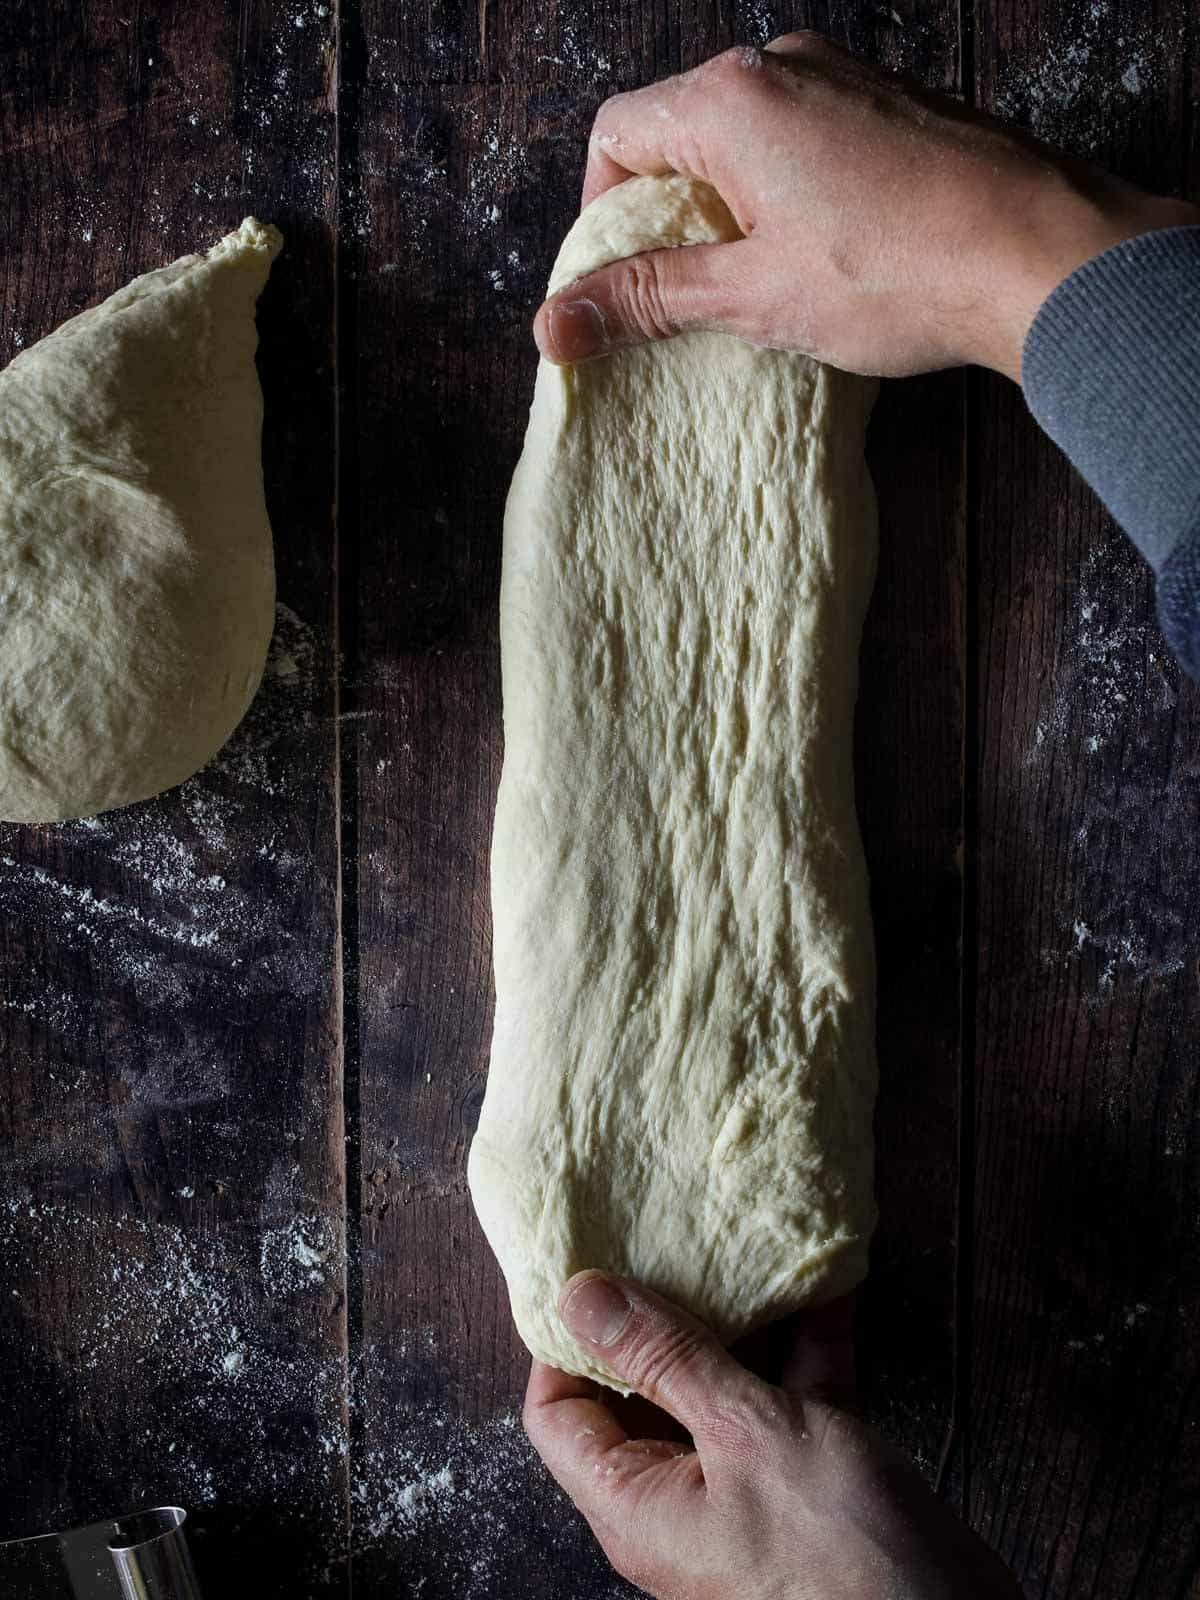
point(136, 576)
point(682, 1075)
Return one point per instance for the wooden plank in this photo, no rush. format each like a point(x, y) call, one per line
point(591, 50)
point(594, 50)
point(909, 775)
point(1084, 1461)
point(446, 1490)
point(462, 192)
point(171, 1221)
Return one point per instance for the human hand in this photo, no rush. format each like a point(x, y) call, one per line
point(782, 1495)
point(888, 231)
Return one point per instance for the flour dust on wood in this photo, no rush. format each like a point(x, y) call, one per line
point(1077, 80)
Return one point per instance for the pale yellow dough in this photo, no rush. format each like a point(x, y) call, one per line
point(136, 576)
point(682, 1073)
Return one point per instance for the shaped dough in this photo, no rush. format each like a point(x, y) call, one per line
point(137, 586)
point(682, 1073)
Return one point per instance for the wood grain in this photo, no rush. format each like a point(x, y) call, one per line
point(909, 777)
point(1083, 1466)
point(244, 1028)
point(172, 1168)
point(446, 282)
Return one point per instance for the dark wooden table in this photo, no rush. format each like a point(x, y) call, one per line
point(244, 1028)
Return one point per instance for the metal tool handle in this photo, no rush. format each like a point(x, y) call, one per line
point(151, 1556)
point(143, 1556)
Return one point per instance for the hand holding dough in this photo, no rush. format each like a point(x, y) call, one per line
point(136, 578)
point(682, 1073)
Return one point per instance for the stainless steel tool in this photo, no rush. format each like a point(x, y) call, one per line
point(143, 1556)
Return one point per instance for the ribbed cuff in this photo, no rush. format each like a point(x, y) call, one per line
point(1111, 370)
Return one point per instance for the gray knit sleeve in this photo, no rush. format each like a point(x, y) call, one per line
point(1111, 370)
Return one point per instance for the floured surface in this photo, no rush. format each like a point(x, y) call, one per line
point(682, 1071)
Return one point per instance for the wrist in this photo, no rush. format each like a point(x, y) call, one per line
point(1062, 228)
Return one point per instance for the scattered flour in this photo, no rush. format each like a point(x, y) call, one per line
point(248, 1413)
point(155, 891)
point(1072, 84)
point(562, 44)
point(146, 1294)
point(1112, 1342)
point(443, 1500)
point(760, 22)
point(1114, 673)
point(163, 930)
point(169, 907)
point(1122, 954)
point(499, 165)
point(1109, 715)
point(299, 1255)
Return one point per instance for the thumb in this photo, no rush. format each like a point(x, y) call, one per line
point(661, 1352)
point(646, 297)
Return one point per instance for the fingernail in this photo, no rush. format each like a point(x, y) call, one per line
point(596, 1310)
point(576, 330)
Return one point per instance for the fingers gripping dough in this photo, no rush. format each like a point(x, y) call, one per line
point(682, 1072)
point(136, 576)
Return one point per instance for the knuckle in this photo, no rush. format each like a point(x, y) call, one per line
point(647, 298)
point(608, 112)
point(732, 65)
point(803, 41)
point(748, 1424)
point(661, 1356)
point(768, 1408)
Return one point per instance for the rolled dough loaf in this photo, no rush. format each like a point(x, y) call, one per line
point(137, 585)
point(682, 1073)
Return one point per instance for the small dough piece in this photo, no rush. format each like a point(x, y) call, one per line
point(137, 585)
point(683, 1070)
